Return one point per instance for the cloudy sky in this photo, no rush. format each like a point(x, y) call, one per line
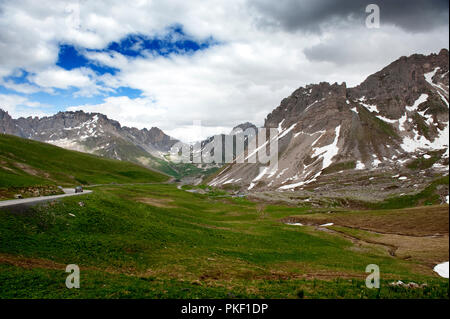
point(168, 63)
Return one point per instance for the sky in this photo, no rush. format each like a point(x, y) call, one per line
point(172, 63)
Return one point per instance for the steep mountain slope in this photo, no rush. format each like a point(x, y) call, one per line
point(95, 133)
point(395, 118)
point(85, 132)
point(26, 164)
point(198, 151)
point(208, 145)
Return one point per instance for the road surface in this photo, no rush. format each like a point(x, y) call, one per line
point(14, 202)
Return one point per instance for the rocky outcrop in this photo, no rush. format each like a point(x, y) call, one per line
point(7, 124)
point(237, 132)
point(395, 116)
point(90, 132)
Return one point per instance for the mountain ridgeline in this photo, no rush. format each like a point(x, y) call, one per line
point(393, 122)
point(97, 134)
point(28, 166)
point(87, 132)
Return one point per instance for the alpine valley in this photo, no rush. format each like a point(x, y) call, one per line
point(387, 136)
point(362, 180)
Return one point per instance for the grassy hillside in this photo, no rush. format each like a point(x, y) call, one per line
point(158, 241)
point(128, 151)
point(25, 163)
point(155, 241)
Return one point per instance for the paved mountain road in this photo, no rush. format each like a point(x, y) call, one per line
point(68, 192)
point(15, 202)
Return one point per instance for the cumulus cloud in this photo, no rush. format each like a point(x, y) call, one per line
point(144, 113)
point(62, 79)
point(18, 106)
point(19, 87)
point(264, 51)
point(353, 46)
point(316, 15)
point(84, 79)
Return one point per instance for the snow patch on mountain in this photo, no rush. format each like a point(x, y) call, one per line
point(422, 98)
point(429, 78)
point(284, 133)
point(386, 119)
point(371, 108)
point(69, 144)
point(360, 165)
point(420, 142)
point(329, 151)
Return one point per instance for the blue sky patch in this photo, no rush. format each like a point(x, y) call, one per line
point(64, 98)
point(20, 76)
point(175, 42)
point(130, 92)
point(70, 57)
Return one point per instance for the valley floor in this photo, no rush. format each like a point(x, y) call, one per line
point(157, 241)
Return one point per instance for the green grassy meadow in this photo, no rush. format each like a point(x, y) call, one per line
point(27, 163)
point(154, 240)
point(188, 246)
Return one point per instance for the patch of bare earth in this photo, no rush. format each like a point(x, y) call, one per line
point(157, 202)
point(30, 263)
point(29, 170)
point(418, 221)
point(418, 234)
point(3, 166)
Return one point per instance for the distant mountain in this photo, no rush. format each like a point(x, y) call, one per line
point(395, 118)
point(32, 168)
point(207, 145)
point(243, 127)
point(97, 134)
point(395, 122)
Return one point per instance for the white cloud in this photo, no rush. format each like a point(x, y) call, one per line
point(130, 112)
point(59, 78)
point(19, 87)
point(18, 106)
point(110, 59)
point(84, 79)
point(242, 78)
point(142, 112)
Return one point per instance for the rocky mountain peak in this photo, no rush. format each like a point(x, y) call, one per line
point(88, 132)
point(4, 115)
point(7, 124)
point(401, 82)
point(243, 127)
point(304, 100)
point(395, 116)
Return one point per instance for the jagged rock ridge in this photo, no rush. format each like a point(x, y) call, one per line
point(97, 134)
point(395, 116)
point(88, 132)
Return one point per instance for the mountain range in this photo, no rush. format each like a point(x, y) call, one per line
point(97, 134)
point(395, 121)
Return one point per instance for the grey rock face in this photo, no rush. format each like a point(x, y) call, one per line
point(246, 131)
point(7, 124)
point(396, 115)
point(88, 132)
